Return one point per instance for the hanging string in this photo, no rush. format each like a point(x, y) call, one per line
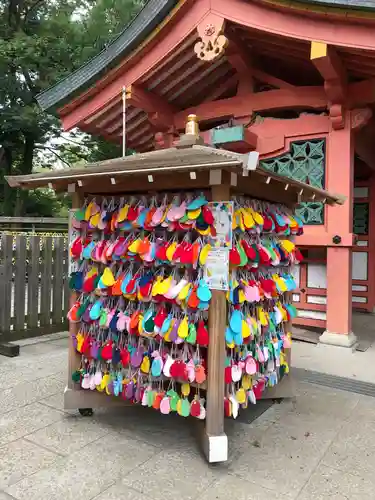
point(123, 121)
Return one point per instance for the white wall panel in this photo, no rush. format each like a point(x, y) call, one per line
point(359, 300)
point(305, 313)
point(316, 275)
point(359, 288)
point(359, 262)
point(316, 299)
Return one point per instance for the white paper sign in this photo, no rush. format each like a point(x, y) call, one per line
point(216, 269)
point(223, 216)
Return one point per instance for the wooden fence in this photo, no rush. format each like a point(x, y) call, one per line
point(34, 291)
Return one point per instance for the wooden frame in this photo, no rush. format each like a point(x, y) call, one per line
point(223, 173)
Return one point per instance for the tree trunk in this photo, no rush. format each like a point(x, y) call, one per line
point(6, 164)
point(26, 168)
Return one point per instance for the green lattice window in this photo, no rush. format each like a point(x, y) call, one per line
point(360, 218)
point(304, 162)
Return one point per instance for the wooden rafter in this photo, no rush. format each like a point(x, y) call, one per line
point(271, 80)
point(134, 124)
point(221, 89)
point(200, 92)
point(241, 61)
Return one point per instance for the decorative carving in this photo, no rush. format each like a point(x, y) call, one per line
point(213, 42)
point(305, 161)
point(360, 117)
point(337, 116)
point(209, 30)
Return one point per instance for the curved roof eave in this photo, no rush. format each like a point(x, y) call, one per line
point(152, 14)
point(343, 4)
point(136, 32)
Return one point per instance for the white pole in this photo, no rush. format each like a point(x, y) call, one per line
point(123, 121)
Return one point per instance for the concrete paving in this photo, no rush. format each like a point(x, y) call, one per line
point(319, 446)
point(338, 361)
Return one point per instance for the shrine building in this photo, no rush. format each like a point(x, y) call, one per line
point(294, 81)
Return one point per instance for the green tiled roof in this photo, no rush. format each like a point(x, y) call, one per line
point(132, 35)
point(345, 4)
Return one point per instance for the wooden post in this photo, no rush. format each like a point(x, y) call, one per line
point(74, 357)
point(215, 443)
point(340, 179)
point(74, 396)
point(371, 244)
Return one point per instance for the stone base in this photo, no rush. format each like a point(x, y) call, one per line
point(215, 448)
point(338, 339)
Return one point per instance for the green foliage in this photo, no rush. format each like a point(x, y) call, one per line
point(42, 41)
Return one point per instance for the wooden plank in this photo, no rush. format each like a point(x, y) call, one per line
point(6, 282)
point(9, 350)
point(29, 333)
point(57, 273)
point(34, 220)
point(33, 285)
point(20, 283)
point(66, 277)
point(46, 283)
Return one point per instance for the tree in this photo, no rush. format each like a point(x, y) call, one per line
point(42, 41)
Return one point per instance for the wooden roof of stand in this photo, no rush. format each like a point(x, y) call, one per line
point(155, 171)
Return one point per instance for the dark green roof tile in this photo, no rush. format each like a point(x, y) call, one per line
point(132, 35)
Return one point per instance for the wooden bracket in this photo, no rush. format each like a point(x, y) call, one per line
point(213, 43)
point(364, 141)
point(159, 111)
point(328, 63)
point(164, 140)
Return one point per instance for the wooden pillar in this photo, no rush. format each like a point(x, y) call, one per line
point(215, 440)
point(74, 396)
point(340, 179)
point(371, 244)
point(74, 356)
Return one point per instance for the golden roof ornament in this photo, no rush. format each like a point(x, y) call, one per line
point(192, 127)
point(191, 135)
